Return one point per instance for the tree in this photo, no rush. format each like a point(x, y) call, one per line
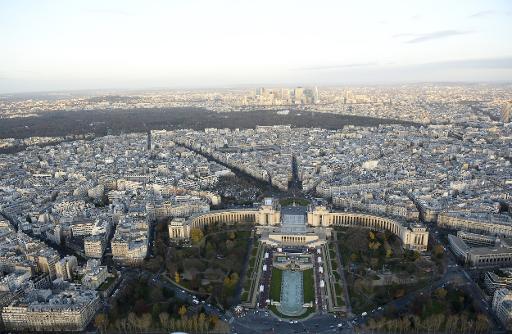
point(411, 255)
point(372, 324)
point(178, 324)
point(114, 312)
point(121, 324)
point(441, 293)
point(132, 320)
point(196, 235)
point(374, 245)
point(154, 264)
point(172, 324)
point(182, 310)
point(201, 322)
point(164, 320)
point(156, 309)
point(221, 327)
point(140, 306)
point(404, 324)
point(400, 292)
point(452, 323)
point(146, 321)
point(210, 250)
point(231, 280)
point(481, 323)
point(156, 294)
point(229, 244)
point(192, 327)
point(234, 278)
point(438, 251)
point(214, 320)
point(465, 324)
point(101, 322)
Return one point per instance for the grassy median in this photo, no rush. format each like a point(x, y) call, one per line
point(308, 286)
point(275, 284)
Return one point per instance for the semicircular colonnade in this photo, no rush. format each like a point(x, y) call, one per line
point(413, 236)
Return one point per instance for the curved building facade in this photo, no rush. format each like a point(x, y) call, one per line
point(413, 236)
point(268, 214)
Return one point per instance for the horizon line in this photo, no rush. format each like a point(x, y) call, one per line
point(253, 86)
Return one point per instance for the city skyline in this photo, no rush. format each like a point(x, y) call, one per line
point(52, 45)
point(248, 167)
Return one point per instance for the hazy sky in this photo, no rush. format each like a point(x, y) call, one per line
point(55, 45)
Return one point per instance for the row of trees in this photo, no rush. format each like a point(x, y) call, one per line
point(142, 306)
point(449, 310)
point(435, 323)
point(132, 323)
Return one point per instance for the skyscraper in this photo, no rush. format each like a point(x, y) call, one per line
point(297, 95)
point(149, 140)
point(316, 99)
point(506, 111)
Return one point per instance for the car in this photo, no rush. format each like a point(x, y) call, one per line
point(364, 314)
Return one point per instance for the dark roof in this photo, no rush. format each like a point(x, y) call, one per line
point(294, 210)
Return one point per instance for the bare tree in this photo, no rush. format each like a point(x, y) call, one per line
point(164, 320)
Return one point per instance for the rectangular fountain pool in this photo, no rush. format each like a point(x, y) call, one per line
point(292, 293)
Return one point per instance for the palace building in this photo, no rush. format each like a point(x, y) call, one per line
point(300, 226)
